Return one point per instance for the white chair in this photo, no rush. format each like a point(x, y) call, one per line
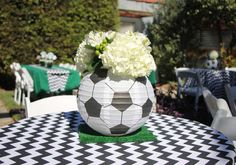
point(54, 104)
point(231, 97)
point(27, 84)
point(15, 67)
point(185, 76)
point(222, 117)
point(230, 69)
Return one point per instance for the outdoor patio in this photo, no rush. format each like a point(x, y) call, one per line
point(118, 82)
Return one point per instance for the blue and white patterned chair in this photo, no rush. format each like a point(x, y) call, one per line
point(189, 83)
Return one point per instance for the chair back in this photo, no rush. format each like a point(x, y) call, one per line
point(213, 104)
point(222, 117)
point(190, 75)
point(230, 69)
point(54, 104)
point(217, 107)
point(188, 78)
point(15, 66)
point(231, 97)
point(18, 78)
point(181, 69)
point(28, 81)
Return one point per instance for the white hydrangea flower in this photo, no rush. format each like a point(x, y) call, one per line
point(94, 38)
point(84, 57)
point(54, 57)
point(50, 56)
point(129, 55)
point(213, 55)
point(43, 54)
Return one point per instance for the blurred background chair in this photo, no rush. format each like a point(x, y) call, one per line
point(230, 69)
point(231, 97)
point(221, 114)
point(15, 67)
point(54, 104)
point(27, 84)
point(189, 83)
point(23, 83)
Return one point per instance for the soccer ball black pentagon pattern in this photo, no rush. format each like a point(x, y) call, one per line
point(114, 106)
point(212, 64)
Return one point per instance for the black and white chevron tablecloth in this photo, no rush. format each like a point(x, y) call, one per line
point(53, 139)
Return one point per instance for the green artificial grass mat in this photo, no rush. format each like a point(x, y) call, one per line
point(88, 135)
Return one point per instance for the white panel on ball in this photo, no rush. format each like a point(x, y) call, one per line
point(132, 115)
point(138, 93)
point(103, 93)
point(98, 125)
point(111, 116)
point(86, 89)
point(150, 91)
point(139, 124)
point(83, 111)
point(120, 85)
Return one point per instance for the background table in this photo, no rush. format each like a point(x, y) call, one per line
point(54, 79)
point(215, 80)
point(53, 139)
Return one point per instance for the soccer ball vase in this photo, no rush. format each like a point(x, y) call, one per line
point(113, 105)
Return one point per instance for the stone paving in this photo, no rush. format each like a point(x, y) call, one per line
point(5, 118)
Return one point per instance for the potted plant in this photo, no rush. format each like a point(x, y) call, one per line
point(115, 97)
point(46, 59)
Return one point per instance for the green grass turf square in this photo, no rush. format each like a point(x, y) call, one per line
point(88, 135)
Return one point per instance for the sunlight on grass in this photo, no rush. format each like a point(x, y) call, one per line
point(8, 99)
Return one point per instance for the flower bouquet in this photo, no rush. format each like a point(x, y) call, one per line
point(212, 62)
point(124, 54)
point(116, 98)
point(46, 59)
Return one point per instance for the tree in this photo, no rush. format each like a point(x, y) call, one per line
point(173, 32)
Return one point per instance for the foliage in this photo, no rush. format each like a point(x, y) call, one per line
point(174, 30)
point(165, 39)
point(227, 58)
point(58, 26)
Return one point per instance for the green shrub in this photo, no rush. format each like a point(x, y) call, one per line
point(30, 26)
point(165, 38)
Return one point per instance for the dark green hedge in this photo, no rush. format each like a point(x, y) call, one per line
point(29, 26)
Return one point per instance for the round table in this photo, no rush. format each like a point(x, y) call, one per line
point(54, 139)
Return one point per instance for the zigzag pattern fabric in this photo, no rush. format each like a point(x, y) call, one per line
point(215, 80)
point(53, 139)
point(57, 79)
